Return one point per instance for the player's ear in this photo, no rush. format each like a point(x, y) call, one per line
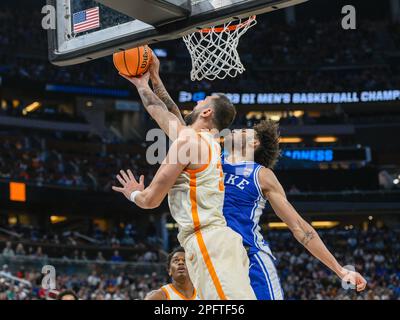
point(208, 112)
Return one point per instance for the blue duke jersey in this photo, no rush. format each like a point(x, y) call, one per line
point(244, 203)
point(243, 206)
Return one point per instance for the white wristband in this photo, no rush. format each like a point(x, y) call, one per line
point(133, 195)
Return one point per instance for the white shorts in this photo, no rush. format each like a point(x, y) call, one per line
point(218, 264)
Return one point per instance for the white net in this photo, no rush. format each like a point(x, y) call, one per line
point(214, 50)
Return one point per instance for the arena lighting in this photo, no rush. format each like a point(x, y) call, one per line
point(275, 117)
point(57, 219)
point(171, 226)
point(277, 225)
point(290, 140)
point(16, 103)
point(315, 224)
point(396, 181)
point(298, 113)
point(328, 139)
point(161, 53)
point(12, 220)
point(32, 107)
point(324, 224)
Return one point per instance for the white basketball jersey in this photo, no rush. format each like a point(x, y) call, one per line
point(196, 200)
point(173, 294)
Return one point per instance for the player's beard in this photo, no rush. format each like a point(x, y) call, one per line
point(191, 118)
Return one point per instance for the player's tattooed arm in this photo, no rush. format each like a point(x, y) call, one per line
point(163, 94)
point(157, 109)
point(151, 100)
point(307, 234)
point(301, 229)
point(161, 91)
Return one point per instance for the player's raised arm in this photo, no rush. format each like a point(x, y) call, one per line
point(167, 121)
point(152, 196)
point(161, 91)
point(303, 231)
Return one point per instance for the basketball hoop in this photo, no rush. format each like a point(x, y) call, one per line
point(214, 50)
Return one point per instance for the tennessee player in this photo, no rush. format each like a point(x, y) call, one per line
point(181, 287)
point(192, 176)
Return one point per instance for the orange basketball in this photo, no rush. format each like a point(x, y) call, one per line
point(133, 62)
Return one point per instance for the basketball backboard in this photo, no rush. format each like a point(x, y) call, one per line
point(88, 29)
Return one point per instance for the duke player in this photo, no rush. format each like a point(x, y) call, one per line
point(249, 185)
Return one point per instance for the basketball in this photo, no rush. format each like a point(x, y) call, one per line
point(133, 62)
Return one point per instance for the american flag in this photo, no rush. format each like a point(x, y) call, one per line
point(86, 20)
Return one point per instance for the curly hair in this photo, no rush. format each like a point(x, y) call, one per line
point(267, 154)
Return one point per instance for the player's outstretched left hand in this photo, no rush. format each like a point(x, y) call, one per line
point(129, 183)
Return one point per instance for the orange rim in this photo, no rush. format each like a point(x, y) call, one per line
point(229, 28)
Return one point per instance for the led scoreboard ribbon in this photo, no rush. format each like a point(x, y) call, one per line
point(328, 155)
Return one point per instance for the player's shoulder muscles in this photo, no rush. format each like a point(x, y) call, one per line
point(195, 148)
point(188, 145)
point(179, 151)
point(187, 134)
point(156, 295)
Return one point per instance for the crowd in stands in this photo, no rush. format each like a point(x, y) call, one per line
point(93, 286)
point(142, 253)
point(119, 244)
point(277, 56)
point(374, 253)
point(28, 159)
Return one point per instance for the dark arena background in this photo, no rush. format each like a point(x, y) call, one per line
point(66, 131)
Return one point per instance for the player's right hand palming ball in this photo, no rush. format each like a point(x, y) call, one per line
point(133, 62)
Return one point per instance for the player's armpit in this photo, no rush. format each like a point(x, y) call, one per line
point(156, 295)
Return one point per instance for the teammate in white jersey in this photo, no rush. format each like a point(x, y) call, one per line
point(192, 176)
point(181, 287)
